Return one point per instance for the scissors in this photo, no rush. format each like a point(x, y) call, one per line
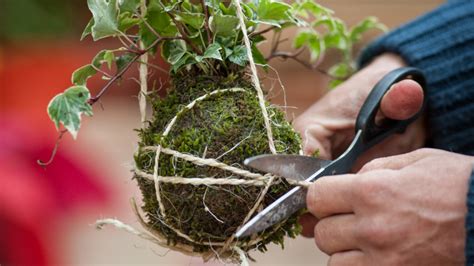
point(367, 134)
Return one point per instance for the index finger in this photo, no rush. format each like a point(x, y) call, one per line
point(330, 195)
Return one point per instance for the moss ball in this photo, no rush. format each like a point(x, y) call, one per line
point(226, 126)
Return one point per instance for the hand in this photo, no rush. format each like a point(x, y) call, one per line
point(402, 210)
point(328, 125)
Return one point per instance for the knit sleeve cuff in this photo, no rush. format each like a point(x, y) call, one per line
point(470, 223)
point(427, 36)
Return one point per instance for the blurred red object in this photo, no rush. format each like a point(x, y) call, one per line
point(33, 199)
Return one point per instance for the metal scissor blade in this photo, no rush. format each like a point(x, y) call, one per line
point(282, 208)
point(288, 166)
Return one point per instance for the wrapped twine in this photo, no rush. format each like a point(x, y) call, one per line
point(230, 249)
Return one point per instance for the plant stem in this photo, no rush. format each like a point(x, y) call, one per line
point(262, 31)
point(101, 71)
point(294, 56)
point(206, 23)
point(132, 44)
point(55, 150)
point(184, 35)
point(117, 76)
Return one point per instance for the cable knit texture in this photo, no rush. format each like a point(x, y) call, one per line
point(441, 44)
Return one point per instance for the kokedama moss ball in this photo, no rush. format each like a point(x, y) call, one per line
point(228, 127)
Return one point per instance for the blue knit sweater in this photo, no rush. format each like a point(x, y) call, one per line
point(441, 44)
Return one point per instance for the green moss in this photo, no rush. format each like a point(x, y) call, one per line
point(227, 126)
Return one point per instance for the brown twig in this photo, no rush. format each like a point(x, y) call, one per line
point(206, 23)
point(94, 99)
point(294, 56)
point(262, 31)
point(117, 76)
point(101, 71)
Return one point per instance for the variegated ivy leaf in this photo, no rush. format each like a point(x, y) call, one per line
point(67, 108)
point(105, 14)
point(310, 39)
point(239, 55)
point(128, 5)
point(213, 51)
point(365, 25)
point(224, 25)
point(173, 50)
point(81, 75)
point(273, 13)
point(194, 20)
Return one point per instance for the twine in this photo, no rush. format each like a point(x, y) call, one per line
point(256, 179)
point(255, 80)
point(229, 247)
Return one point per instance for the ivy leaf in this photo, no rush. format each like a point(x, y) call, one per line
point(173, 51)
point(336, 41)
point(66, 108)
point(335, 26)
point(128, 5)
point(258, 39)
point(223, 25)
point(340, 71)
point(302, 38)
point(312, 40)
point(98, 58)
point(239, 55)
point(270, 10)
point(126, 21)
point(315, 8)
point(159, 21)
point(109, 58)
point(213, 51)
point(227, 52)
point(214, 4)
point(273, 13)
point(365, 25)
point(258, 56)
point(168, 8)
point(195, 20)
point(185, 60)
point(88, 29)
point(105, 14)
point(104, 56)
point(81, 75)
point(123, 60)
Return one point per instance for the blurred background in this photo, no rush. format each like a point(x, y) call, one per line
point(47, 215)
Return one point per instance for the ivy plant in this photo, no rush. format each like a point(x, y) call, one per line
point(204, 35)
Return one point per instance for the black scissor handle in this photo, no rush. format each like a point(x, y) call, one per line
point(373, 133)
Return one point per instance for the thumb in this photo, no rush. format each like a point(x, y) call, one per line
point(403, 100)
